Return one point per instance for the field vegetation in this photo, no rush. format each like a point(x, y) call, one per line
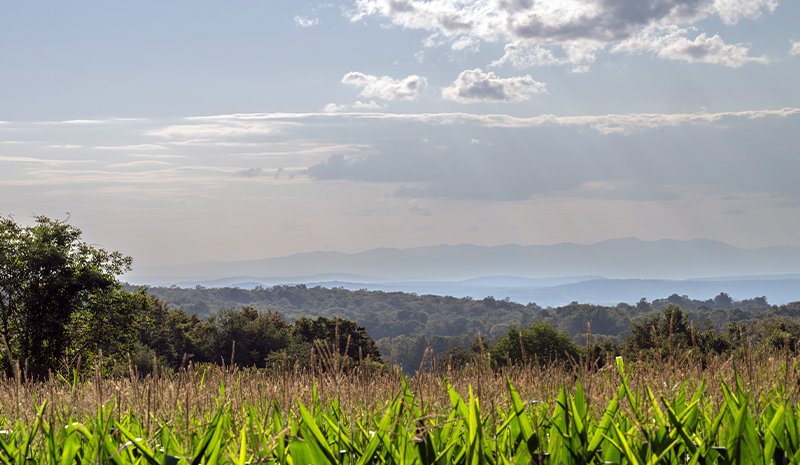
point(678, 409)
point(93, 372)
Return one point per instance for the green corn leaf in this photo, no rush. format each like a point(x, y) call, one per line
point(581, 408)
point(520, 418)
point(140, 445)
point(737, 447)
point(375, 440)
point(216, 448)
point(657, 459)
point(341, 436)
point(790, 424)
point(624, 446)
point(242, 447)
point(36, 424)
point(774, 435)
point(677, 422)
point(69, 449)
point(457, 401)
point(300, 453)
point(212, 432)
point(317, 442)
point(605, 424)
point(7, 452)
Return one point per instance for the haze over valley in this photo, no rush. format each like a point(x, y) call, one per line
point(609, 272)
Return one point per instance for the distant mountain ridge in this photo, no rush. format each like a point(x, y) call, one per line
point(614, 258)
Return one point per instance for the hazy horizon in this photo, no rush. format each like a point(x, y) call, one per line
point(442, 244)
point(186, 132)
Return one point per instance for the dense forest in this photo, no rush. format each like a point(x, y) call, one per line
point(392, 314)
point(409, 327)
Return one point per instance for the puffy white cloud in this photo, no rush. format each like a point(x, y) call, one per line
point(795, 50)
point(305, 22)
point(474, 85)
point(532, 28)
point(731, 11)
point(671, 43)
point(384, 87)
point(525, 54)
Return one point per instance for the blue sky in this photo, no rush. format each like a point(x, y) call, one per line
point(185, 131)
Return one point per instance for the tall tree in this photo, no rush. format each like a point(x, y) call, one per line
point(59, 296)
point(540, 342)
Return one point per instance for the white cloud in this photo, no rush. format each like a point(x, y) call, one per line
point(42, 161)
point(525, 54)
point(795, 50)
point(130, 147)
point(149, 155)
point(134, 164)
point(76, 121)
point(384, 87)
point(433, 40)
point(359, 105)
point(204, 132)
point(333, 108)
point(92, 121)
point(731, 11)
point(474, 85)
point(543, 24)
point(671, 43)
point(305, 22)
point(467, 43)
point(619, 124)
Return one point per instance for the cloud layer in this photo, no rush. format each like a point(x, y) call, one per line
point(585, 25)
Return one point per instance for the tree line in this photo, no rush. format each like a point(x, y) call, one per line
point(393, 314)
point(62, 306)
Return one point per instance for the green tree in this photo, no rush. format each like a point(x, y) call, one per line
point(172, 335)
point(320, 334)
point(671, 334)
point(361, 344)
point(256, 335)
point(540, 342)
point(59, 296)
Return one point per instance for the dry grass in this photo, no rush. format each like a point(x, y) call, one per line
point(195, 392)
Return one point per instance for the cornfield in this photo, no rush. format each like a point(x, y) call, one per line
point(629, 412)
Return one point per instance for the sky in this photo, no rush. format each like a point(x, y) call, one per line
point(188, 131)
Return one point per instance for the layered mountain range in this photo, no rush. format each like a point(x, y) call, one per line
point(619, 270)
